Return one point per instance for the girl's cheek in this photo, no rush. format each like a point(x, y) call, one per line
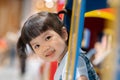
point(37, 52)
point(40, 55)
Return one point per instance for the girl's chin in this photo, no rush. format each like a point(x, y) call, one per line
point(50, 60)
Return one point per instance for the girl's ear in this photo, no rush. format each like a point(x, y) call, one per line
point(64, 34)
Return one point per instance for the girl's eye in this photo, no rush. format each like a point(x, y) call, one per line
point(47, 38)
point(36, 46)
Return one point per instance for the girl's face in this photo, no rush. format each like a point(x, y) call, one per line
point(50, 46)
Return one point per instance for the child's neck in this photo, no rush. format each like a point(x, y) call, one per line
point(63, 54)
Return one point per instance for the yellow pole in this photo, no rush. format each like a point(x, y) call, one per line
point(73, 40)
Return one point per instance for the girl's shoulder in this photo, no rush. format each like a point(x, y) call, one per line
point(91, 72)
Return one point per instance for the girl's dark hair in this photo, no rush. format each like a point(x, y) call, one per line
point(34, 26)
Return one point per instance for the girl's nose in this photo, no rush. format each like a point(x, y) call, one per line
point(45, 49)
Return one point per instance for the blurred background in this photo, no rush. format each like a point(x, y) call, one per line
point(100, 39)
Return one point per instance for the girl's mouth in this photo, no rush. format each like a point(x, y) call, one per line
point(50, 53)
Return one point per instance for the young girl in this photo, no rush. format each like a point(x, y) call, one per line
point(47, 36)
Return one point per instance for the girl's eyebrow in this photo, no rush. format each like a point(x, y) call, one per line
point(33, 43)
point(45, 33)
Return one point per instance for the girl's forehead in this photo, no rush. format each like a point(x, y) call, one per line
point(50, 31)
